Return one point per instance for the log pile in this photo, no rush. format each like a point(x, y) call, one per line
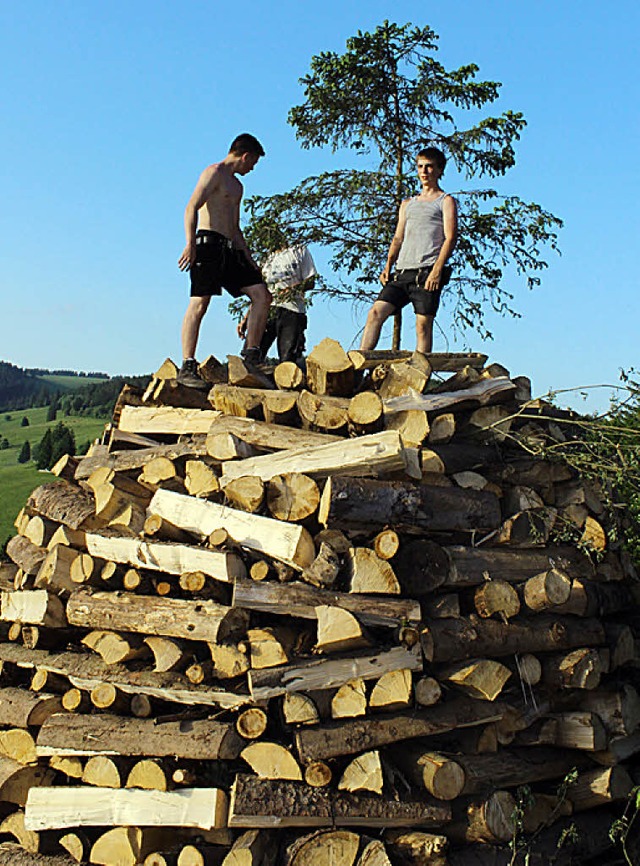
point(332, 617)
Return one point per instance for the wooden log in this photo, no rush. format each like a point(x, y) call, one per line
point(484, 678)
point(289, 543)
point(14, 825)
point(293, 497)
point(62, 502)
point(25, 554)
point(508, 768)
point(443, 777)
point(358, 503)
point(392, 692)
point(417, 848)
point(307, 676)
point(251, 723)
point(412, 426)
point(19, 745)
point(327, 741)
point(240, 374)
point(166, 556)
point(496, 598)
point(281, 407)
point(376, 454)
point(128, 846)
point(200, 479)
point(148, 775)
point(102, 772)
point(55, 571)
point(229, 660)
point(299, 709)
point(350, 700)
point(427, 691)
point(245, 493)
point(16, 780)
point(85, 672)
point(168, 654)
point(271, 761)
point(75, 700)
point(22, 709)
point(440, 361)
point(132, 460)
point(459, 639)
point(338, 630)
point(242, 402)
point(159, 472)
point(39, 530)
point(266, 803)
point(325, 568)
point(318, 774)
point(370, 574)
point(365, 413)
point(483, 392)
point(212, 370)
point(106, 696)
point(170, 617)
point(268, 437)
point(330, 370)
point(579, 730)
point(150, 420)
point(114, 735)
point(401, 379)
point(486, 820)
point(36, 606)
point(323, 414)
point(363, 773)
point(547, 590)
point(77, 845)
point(288, 376)
point(470, 564)
point(386, 544)
point(578, 669)
point(227, 446)
point(596, 787)
point(335, 847)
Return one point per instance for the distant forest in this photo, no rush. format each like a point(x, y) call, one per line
point(24, 389)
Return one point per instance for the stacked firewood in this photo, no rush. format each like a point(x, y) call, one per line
point(351, 615)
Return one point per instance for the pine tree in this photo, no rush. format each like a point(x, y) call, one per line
point(25, 452)
point(43, 451)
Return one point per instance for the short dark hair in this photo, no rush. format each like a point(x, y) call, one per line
point(246, 143)
point(435, 154)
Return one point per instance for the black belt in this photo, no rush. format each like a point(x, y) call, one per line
point(215, 238)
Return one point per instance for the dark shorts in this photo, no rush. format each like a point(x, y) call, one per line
point(407, 286)
point(288, 328)
point(220, 265)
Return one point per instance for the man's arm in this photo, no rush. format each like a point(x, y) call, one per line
point(204, 189)
point(450, 225)
point(396, 243)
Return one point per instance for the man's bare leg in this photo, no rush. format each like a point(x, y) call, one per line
point(191, 325)
point(377, 316)
point(424, 333)
point(258, 312)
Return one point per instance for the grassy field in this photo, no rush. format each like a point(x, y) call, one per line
point(18, 480)
point(71, 383)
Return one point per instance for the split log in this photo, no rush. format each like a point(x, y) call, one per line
point(330, 370)
point(364, 773)
point(370, 574)
point(442, 429)
point(62, 502)
point(200, 479)
point(618, 709)
point(479, 679)
point(114, 735)
point(101, 772)
point(167, 556)
point(77, 845)
point(269, 647)
point(170, 617)
point(127, 461)
point(128, 846)
point(19, 745)
point(327, 741)
point(323, 571)
point(309, 676)
point(358, 503)
point(578, 669)
point(16, 780)
point(271, 761)
point(25, 554)
point(240, 374)
point(169, 655)
point(147, 775)
point(547, 590)
point(36, 606)
point(367, 359)
point(596, 787)
point(281, 407)
point(299, 709)
point(241, 402)
point(496, 597)
point(335, 847)
point(39, 530)
point(159, 472)
point(338, 630)
point(579, 730)
point(166, 420)
point(14, 825)
point(350, 700)
point(458, 639)
point(392, 692)
point(376, 454)
point(418, 848)
point(266, 803)
point(403, 379)
point(412, 426)
point(487, 820)
point(229, 660)
point(286, 542)
point(227, 446)
point(484, 391)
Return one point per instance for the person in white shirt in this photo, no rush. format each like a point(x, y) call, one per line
point(289, 273)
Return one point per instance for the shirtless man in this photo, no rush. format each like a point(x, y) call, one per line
point(423, 242)
point(217, 255)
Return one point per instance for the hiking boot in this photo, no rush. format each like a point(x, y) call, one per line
point(190, 377)
point(251, 355)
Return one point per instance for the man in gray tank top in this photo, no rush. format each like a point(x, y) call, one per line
point(423, 242)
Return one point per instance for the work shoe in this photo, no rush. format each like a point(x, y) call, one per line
point(251, 355)
point(190, 377)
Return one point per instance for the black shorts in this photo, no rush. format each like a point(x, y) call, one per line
point(407, 286)
point(220, 265)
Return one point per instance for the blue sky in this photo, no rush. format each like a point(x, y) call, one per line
point(109, 111)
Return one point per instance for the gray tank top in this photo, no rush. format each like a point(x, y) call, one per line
point(423, 233)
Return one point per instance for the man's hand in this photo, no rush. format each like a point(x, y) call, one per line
point(188, 257)
point(242, 327)
point(432, 283)
point(384, 276)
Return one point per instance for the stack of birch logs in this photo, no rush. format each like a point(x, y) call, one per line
point(336, 616)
